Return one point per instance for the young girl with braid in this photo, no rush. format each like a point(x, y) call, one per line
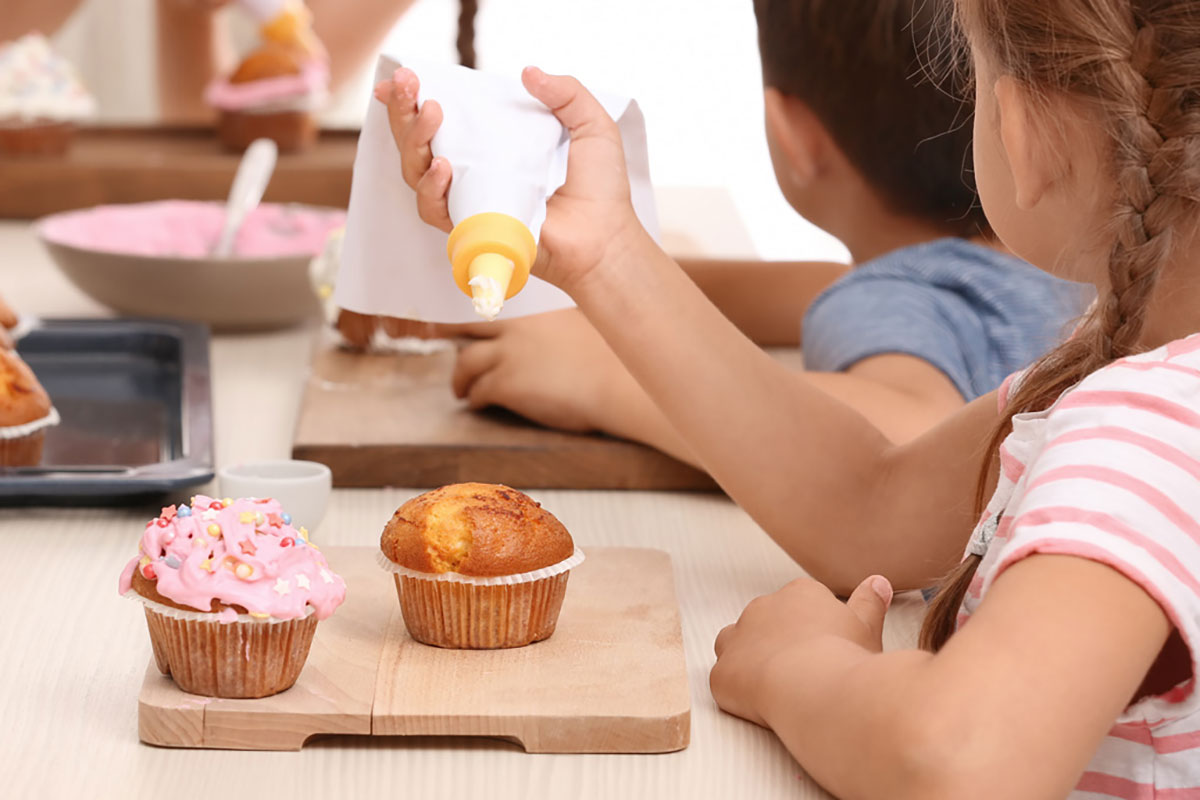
point(1059, 658)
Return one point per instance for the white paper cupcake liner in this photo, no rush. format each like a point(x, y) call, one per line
point(574, 560)
point(208, 616)
point(25, 324)
point(30, 428)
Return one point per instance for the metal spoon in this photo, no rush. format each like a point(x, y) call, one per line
point(253, 175)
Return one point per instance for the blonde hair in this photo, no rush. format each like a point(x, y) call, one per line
point(1135, 65)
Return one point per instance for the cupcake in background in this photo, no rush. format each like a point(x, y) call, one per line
point(274, 93)
point(41, 99)
point(232, 595)
point(25, 413)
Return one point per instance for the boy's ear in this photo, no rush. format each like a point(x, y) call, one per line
point(1025, 149)
point(799, 136)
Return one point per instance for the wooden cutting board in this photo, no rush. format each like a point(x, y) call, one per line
point(133, 165)
point(391, 420)
point(612, 678)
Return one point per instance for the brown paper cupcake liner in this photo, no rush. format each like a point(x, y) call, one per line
point(464, 612)
point(205, 656)
point(292, 131)
point(21, 445)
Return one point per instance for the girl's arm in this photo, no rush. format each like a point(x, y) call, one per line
point(815, 474)
point(826, 484)
point(1015, 705)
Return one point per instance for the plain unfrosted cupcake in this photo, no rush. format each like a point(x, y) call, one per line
point(41, 99)
point(478, 566)
point(232, 595)
point(25, 413)
point(273, 94)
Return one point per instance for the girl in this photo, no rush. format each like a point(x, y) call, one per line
point(1081, 581)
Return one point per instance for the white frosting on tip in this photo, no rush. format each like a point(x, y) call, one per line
point(486, 297)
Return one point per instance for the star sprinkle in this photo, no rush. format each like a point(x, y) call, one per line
point(302, 581)
point(206, 565)
point(184, 511)
point(168, 513)
point(325, 576)
point(246, 516)
point(275, 520)
point(248, 547)
point(282, 587)
point(209, 515)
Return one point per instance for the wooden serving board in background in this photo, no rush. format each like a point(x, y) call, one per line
point(612, 678)
point(133, 165)
point(390, 419)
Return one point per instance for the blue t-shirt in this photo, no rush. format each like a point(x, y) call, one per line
point(976, 314)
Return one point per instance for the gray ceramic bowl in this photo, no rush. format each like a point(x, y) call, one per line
point(229, 294)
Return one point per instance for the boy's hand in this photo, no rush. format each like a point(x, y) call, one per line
point(589, 217)
point(775, 624)
point(551, 368)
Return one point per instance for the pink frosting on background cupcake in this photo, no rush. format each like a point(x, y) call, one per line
point(312, 81)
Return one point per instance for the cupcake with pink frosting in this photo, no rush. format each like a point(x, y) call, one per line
point(232, 594)
point(273, 94)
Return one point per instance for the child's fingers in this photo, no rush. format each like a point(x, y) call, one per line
point(431, 195)
point(414, 142)
point(574, 105)
point(722, 640)
point(474, 360)
point(357, 329)
point(483, 391)
point(869, 602)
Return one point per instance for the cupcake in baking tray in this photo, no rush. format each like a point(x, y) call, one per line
point(41, 99)
point(25, 413)
point(273, 94)
point(478, 566)
point(232, 594)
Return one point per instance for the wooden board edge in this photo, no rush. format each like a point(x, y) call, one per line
point(163, 725)
point(445, 465)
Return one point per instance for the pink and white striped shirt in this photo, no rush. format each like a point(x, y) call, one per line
point(1111, 473)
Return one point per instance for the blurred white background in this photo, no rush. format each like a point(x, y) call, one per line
point(691, 64)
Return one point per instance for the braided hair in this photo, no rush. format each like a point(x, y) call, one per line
point(1136, 63)
point(467, 10)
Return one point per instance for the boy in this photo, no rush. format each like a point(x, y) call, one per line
point(865, 147)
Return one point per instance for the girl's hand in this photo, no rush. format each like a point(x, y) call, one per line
point(587, 219)
point(776, 624)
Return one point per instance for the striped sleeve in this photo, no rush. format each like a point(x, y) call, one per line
point(1117, 480)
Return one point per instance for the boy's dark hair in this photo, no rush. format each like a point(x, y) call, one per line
point(863, 69)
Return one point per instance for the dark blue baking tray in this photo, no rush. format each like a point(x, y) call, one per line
point(136, 407)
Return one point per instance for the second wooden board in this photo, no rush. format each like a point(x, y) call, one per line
point(390, 419)
point(612, 678)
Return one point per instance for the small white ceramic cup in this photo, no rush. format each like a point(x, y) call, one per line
point(301, 487)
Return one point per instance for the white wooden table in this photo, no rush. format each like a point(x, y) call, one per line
point(73, 653)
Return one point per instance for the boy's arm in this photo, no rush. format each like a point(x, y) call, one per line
point(766, 300)
point(1014, 705)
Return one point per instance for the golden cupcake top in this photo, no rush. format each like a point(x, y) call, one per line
point(476, 529)
point(22, 398)
point(272, 60)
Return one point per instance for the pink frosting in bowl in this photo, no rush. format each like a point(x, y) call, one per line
point(243, 553)
point(189, 229)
